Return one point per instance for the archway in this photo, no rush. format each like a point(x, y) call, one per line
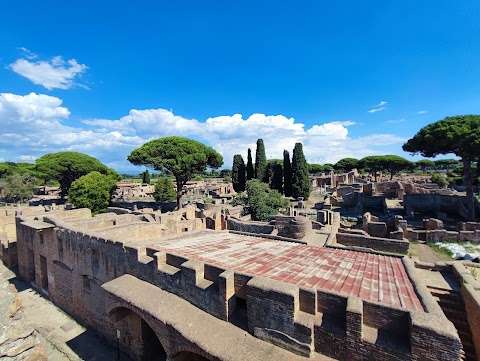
point(136, 336)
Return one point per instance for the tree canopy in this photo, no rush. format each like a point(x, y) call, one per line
point(395, 163)
point(287, 174)
point(446, 163)
point(263, 202)
point(424, 164)
point(93, 191)
point(66, 167)
point(17, 187)
point(184, 157)
point(250, 170)
point(146, 177)
point(346, 165)
point(459, 135)
point(164, 190)
point(238, 173)
point(300, 180)
point(275, 174)
point(261, 162)
point(315, 168)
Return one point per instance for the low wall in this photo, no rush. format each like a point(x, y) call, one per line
point(375, 243)
point(249, 227)
point(135, 205)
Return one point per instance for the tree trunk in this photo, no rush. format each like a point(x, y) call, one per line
point(179, 193)
point(469, 179)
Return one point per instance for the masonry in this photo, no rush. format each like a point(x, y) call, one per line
point(226, 296)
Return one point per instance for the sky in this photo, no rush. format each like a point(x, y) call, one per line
point(345, 78)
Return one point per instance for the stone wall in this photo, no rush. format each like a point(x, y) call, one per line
point(375, 243)
point(434, 203)
point(250, 227)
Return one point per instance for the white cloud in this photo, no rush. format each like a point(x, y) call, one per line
point(52, 74)
point(422, 112)
point(346, 123)
point(379, 107)
point(392, 121)
point(33, 126)
point(26, 158)
point(27, 53)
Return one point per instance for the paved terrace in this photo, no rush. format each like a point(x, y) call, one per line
point(371, 277)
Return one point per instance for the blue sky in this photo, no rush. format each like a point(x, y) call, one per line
point(345, 78)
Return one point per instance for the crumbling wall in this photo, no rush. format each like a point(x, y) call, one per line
point(249, 227)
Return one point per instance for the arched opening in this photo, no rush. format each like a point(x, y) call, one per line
point(188, 356)
point(152, 348)
point(136, 337)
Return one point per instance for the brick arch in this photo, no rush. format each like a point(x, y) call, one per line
point(195, 350)
point(171, 346)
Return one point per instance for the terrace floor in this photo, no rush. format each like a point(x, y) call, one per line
point(371, 277)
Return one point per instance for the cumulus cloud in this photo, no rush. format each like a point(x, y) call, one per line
point(34, 125)
point(422, 112)
point(379, 107)
point(51, 74)
point(392, 121)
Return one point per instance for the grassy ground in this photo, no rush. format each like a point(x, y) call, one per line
point(428, 253)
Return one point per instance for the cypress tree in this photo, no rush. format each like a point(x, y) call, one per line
point(146, 177)
point(238, 173)
point(250, 171)
point(261, 162)
point(275, 175)
point(300, 179)
point(287, 174)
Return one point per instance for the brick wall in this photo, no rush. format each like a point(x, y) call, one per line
point(378, 244)
point(299, 320)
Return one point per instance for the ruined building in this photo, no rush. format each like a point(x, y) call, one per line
point(201, 294)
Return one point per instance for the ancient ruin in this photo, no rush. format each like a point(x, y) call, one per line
point(284, 289)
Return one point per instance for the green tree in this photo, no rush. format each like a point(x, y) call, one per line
point(394, 164)
point(424, 164)
point(146, 177)
point(287, 174)
point(346, 165)
point(66, 167)
point(459, 135)
point(17, 187)
point(182, 156)
point(275, 175)
point(328, 167)
point(93, 190)
point(373, 164)
point(315, 168)
point(238, 173)
point(250, 171)
point(164, 190)
point(261, 162)
point(446, 163)
point(439, 179)
point(300, 179)
point(225, 173)
point(262, 202)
